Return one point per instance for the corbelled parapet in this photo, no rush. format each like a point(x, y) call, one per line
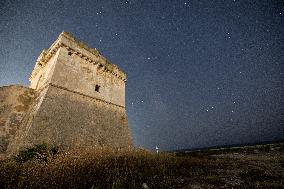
point(91, 55)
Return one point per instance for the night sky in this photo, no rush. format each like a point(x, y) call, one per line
point(200, 73)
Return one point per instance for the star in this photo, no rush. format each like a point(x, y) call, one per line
point(234, 102)
point(142, 101)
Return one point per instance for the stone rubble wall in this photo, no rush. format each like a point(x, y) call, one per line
point(26, 123)
point(15, 102)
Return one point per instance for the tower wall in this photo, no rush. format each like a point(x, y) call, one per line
point(69, 119)
point(75, 66)
point(44, 72)
point(76, 74)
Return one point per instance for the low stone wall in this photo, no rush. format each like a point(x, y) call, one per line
point(15, 102)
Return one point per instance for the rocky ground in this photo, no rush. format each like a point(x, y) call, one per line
point(259, 166)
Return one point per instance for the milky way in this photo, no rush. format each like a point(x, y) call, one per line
point(200, 73)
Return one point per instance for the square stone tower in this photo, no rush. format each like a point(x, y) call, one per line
point(80, 99)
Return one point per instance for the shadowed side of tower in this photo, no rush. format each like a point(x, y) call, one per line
point(80, 101)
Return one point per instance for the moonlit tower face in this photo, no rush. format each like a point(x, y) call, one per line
point(76, 67)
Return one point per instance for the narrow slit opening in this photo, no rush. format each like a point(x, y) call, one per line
point(97, 88)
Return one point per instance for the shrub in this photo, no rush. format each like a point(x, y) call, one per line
point(41, 152)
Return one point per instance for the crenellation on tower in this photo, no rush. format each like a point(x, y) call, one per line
point(92, 55)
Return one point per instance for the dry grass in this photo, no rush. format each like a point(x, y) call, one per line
point(128, 168)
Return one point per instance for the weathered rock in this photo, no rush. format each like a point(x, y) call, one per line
point(15, 101)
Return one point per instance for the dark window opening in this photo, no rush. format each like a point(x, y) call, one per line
point(69, 53)
point(97, 88)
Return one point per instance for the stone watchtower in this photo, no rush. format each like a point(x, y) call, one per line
point(79, 100)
